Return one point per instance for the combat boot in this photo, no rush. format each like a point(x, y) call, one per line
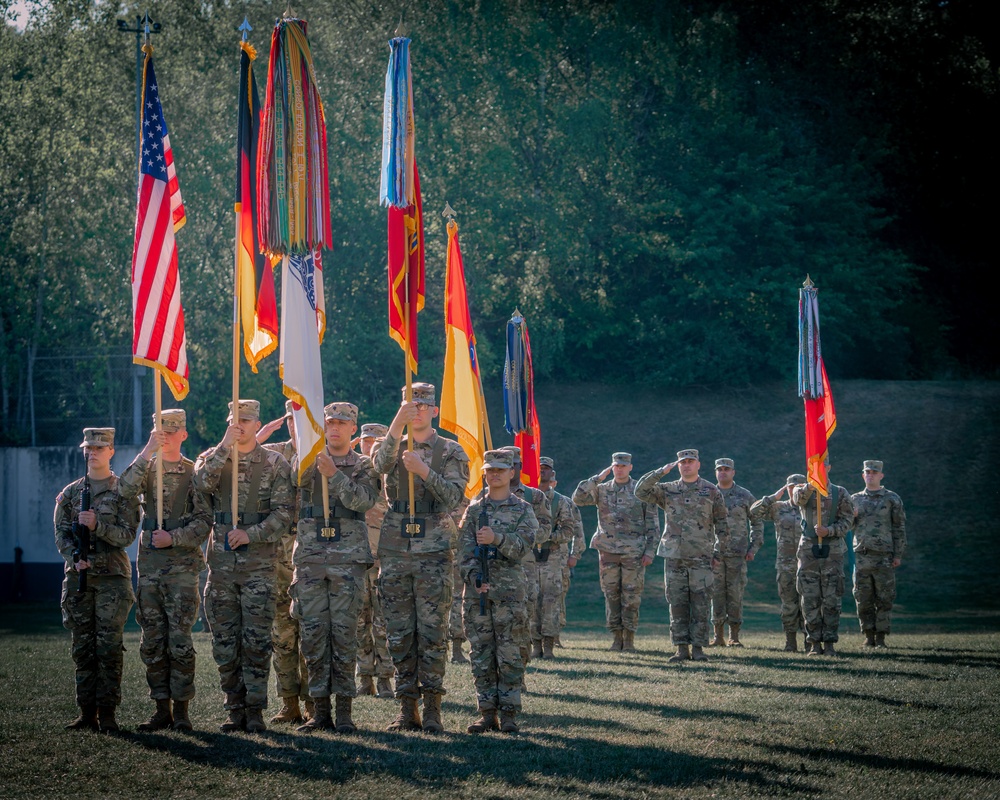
point(432, 713)
point(828, 649)
point(536, 648)
point(628, 641)
point(547, 645)
point(321, 719)
point(457, 656)
point(106, 719)
point(385, 688)
point(616, 645)
point(237, 721)
point(486, 722)
point(697, 654)
point(880, 640)
point(508, 720)
point(310, 709)
point(408, 718)
point(791, 645)
point(682, 654)
point(161, 718)
point(289, 713)
point(556, 642)
point(181, 720)
point(344, 723)
point(814, 648)
point(87, 721)
point(720, 636)
point(366, 686)
point(734, 635)
point(869, 638)
point(255, 719)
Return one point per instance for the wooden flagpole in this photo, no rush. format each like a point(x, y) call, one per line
point(158, 427)
point(235, 502)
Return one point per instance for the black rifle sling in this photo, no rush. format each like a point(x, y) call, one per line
point(226, 488)
point(437, 461)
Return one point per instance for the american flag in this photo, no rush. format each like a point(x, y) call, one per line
point(158, 338)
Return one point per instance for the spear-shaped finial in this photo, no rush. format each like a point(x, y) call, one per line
point(145, 27)
point(245, 29)
point(449, 212)
point(400, 28)
point(808, 284)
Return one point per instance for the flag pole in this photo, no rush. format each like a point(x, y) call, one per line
point(158, 427)
point(406, 358)
point(234, 491)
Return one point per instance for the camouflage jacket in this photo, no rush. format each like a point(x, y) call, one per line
point(880, 523)
point(543, 512)
point(287, 544)
point(435, 498)
point(514, 523)
point(804, 497)
point(117, 520)
point(738, 503)
point(626, 525)
point(265, 524)
point(579, 542)
point(188, 523)
point(566, 521)
point(697, 522)
point(787, 528)
point(351, 490)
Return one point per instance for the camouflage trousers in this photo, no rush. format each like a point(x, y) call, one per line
point(874, 592)
point(416, 599)
point(240, 611)
point(96, 619)
point(327, 600)
point(287, 659)
point(545, 617)
point(622, 581)
point(522, 633)
point(688, 587)
point(497, 664)
point(166, 611)
point(729, 579)
point(456, 624)
point(373, 651)
point(566, 577)
point(791, 602)
point(820, 582)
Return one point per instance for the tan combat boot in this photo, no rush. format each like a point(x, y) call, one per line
point(255, 719)
point(734, 635)
point(457, 656)
point(616, 645)
point(869, 639)
point(814, 648)
point(698, 654)
point(106, 719)
point(321, 719)
point(289, 713)
point(366, 686)
point(556, 642)
point(237, 721)
point(547, 645)
point(310, 709)
point(486, 722)
point(682, 654)
point(720, 636)
point(343, 722)
point(432, 713)
point(508, 720)
point(880, 640)
point(161, 718)
point(791, 646)
point(408, 718)
point(828, 649)
point(181, 720)
point(87, 721)
point(536, 648)
point(628, 641)
point(385, 688)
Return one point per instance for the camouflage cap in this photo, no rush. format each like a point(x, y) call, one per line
point(515, 450)
point(795, 480)
point(873, 465)
point(545, 461)
point(98, 437)
point(344, 411)
point(682, 454)
point(725, 462)
point(373, 430)
point(289, 407)
point(498, 459)
point(249, 409)
point(422, 393)
point(621, 458)
point(172, 420)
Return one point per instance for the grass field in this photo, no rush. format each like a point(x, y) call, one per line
point(917, 721)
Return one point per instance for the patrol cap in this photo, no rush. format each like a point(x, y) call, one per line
point(545, 461)
point(621, 458)
point(515, 451)
point(98, 437)
point(249, 409)
point(289, 407)
point(873, 465)
point(498, 459)
point(172, 420)
point(373, 430)
point(345, 411)
point(725, 462)
point(682, 454)
point(422, 393)
point(795, 480)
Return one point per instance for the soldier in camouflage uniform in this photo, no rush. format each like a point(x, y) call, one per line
point(625, 541)
point(240, 592)
point(574, 553)
point(820, 579)
point(879, 543)
point(547, 619)
point(286, 642)
point(787, 530)
point(169, 562)
point(729, 575)
point(374, 663)
point(332, 557)
point(504, 540)
point(96, 617)
point(416, 578)
point(456, 617)
point(695, 533)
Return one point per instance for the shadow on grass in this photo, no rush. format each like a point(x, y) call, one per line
point(826, 691)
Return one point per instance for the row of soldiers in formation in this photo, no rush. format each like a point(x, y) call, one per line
point(289, 580)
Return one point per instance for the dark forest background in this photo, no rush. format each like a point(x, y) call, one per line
point(649, 182)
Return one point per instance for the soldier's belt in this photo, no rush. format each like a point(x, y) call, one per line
point(245, 518)
point(419, 507)
point(336, 512)
point(149, 524)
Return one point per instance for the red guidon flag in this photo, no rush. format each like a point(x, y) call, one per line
point(158, 339)
point(406, 272)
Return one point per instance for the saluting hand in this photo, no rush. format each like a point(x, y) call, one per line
point(667, 467)
point(777, 494)
point(266, 430)
point(604, 473)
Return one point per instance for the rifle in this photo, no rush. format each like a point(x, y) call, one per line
point(482, 552)
point(82, 535)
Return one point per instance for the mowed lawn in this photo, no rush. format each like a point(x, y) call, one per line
point(917, 721)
